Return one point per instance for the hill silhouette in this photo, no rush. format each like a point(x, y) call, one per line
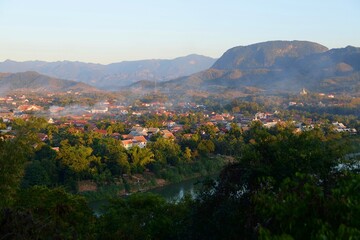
point(35, 82)
point(278, 66)
point(114, 76)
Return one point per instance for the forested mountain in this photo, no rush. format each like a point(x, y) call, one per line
point(115, 75)
point(274, 54)
point(35, 82)
point(278, 66)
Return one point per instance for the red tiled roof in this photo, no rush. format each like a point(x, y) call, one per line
point(140, 138)
point(103, 132)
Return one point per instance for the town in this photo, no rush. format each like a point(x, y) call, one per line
point(142, 119)
point(180, 120)
point(109, 146)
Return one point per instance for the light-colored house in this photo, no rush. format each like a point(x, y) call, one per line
point(138, 131)
point(170, 124)
point(124, 112)
point(340, 127)
point(24, 108)
point(217, 118)
point(139, 141)
point(99, 110)
point(270, 124)
point(153, 130)
point(127, 144)
point(303, 92)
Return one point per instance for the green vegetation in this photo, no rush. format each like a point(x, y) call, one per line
point(278, 183)
point(288, 162)
point(284, 184)
point(42, 213)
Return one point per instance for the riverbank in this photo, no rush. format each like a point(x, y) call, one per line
point(129, 184)
point(172, 192)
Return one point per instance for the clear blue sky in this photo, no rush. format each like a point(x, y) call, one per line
point(104, 31)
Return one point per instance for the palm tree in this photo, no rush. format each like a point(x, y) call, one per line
point(140, 157)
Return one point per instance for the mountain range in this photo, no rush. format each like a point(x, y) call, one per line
point(277, 66)
point(114, 76)
point(267, 67)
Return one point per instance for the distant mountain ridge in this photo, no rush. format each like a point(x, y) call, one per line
point(115, 75)
point(278, 66)
point(266, 54)
point(274, 66)
point(35, 82)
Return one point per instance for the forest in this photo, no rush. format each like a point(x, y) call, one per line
point(281, 184)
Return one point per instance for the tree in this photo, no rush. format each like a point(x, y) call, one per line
point(47, 158)
point(205, 147)
point(187, 154)
point(285, 185)
point(235, 130)
point(78, 158)
point(45, 152)
point(12, 160)
point(2, 124)
point(139, 158)
point(141, 216)
point(35, 174)
point(27, 133)
point(71, 134)
point(112, 154)
point(51, 130)
point(303, 208)
point(118, 127)
point(42, 213)
point(166, 151)
point(207, 131)
point(14, 154)
point(191, 143)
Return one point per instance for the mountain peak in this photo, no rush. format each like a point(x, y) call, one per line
point(9, 61)
point(266, 54)
point(278, 66)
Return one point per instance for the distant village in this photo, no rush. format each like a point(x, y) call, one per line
point(85, 117)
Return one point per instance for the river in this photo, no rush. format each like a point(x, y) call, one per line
point(172, 192)
point(176, 191)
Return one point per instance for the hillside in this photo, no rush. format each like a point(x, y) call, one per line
point(278, 66)
point(115, 75)
point(267, 54)
point(35, 82)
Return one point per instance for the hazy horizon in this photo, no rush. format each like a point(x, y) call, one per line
point(66, 60)
point(115, 31)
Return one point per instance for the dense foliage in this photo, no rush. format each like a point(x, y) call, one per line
point(281, 184)
point(284, 186)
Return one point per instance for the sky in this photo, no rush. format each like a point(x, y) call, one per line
point(106, 31)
